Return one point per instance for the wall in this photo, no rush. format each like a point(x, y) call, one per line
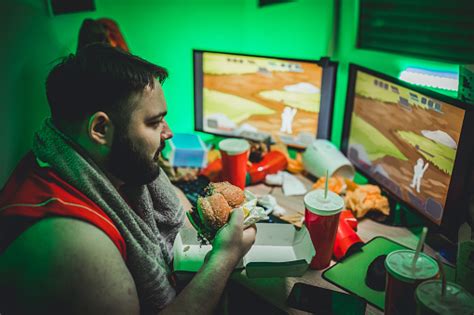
point(165, 32)
point(162, 31)
point(388, 63)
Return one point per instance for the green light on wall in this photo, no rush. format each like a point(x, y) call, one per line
point(434, 79)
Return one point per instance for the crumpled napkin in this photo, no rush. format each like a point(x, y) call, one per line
point(291, 185)
point(268, 202)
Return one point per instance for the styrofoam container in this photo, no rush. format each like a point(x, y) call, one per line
point(322, 156)
point(280, 250)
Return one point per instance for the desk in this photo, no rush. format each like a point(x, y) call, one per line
point(276, 290)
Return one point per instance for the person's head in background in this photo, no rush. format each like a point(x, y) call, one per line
point(102, 30)
point(111, 103)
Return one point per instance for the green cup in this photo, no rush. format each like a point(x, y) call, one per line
point(430, 301)
point(402, 279)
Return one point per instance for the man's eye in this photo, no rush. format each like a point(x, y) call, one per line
point(157, 123)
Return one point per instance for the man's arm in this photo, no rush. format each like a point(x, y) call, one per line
point(67, 266)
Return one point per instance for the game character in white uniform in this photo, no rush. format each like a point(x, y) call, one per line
point(418, 172)
point(287, 119)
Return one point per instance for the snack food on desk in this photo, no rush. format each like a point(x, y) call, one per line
point(213, 211)
point(295, 165)
point(361, 199)
point(336, 184)
point(213, 155)
point(366, 198)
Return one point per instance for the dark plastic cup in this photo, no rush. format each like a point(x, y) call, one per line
point(402, 279)
point(321, 220)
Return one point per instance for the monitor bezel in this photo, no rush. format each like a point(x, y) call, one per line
point(328, 84)
point(458, 191)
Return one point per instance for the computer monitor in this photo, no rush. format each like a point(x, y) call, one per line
point(416, 144)
point(237, 95)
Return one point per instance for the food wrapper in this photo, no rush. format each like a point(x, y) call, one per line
point(252, 212)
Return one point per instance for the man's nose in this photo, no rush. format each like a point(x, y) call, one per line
point(166, 133)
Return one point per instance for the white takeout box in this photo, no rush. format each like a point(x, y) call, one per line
point(280, 250)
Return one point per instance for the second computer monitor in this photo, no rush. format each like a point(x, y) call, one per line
point(415, 143)
point(287, 99)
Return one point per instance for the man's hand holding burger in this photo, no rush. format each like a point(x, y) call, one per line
point(214, 211)
point(224, 227)
point(232, 240)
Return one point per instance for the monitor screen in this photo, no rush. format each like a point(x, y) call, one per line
point(238, 95)
point(408, 140)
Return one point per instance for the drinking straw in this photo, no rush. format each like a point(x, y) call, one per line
point(326, 185)
point(443, 274)
point(419, 246)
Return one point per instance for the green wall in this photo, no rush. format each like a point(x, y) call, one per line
point(388, 63)
point(165, 32)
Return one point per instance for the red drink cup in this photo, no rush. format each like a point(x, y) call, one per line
point(402, 279)
point(234, 161)
point(431, 301)
point(322, 220)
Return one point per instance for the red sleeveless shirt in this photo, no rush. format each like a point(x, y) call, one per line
point(34, 191)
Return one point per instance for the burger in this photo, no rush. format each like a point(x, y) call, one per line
point(232, 194)
point(213, 210)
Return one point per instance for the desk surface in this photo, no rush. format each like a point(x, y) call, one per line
point(276, 290)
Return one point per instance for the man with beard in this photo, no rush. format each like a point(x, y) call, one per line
point(88, 219)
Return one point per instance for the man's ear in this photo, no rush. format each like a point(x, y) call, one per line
point(100, 128)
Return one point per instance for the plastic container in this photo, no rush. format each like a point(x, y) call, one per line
point(322, 219)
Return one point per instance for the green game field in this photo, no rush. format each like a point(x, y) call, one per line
point(217, 102)
point(305, 101)
point(375, 143)
point(438, 154)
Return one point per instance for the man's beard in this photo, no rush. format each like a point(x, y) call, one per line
point(129, 164)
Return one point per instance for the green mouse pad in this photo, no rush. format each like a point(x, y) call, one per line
point(349, 274)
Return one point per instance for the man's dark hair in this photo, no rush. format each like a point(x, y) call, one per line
point(98, 78)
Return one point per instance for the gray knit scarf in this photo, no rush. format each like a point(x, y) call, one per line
point(149, 236)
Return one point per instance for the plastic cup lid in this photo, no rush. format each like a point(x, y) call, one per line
point(457, 300)
point(399, 264)
point(234, 146)
point(315, 202)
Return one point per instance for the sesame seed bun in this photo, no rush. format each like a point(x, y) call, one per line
point(214, 211)
point(233, 194)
